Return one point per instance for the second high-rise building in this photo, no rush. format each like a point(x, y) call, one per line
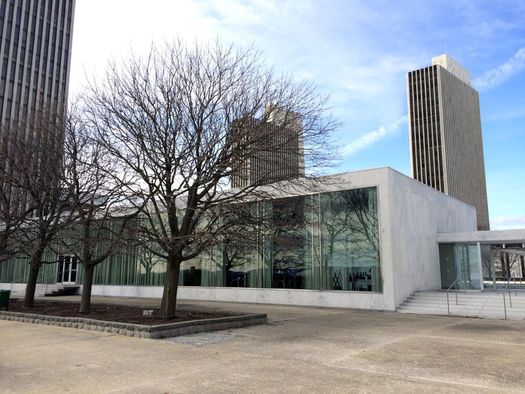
point(35, 53)
point(446, 147)
point(269, 149)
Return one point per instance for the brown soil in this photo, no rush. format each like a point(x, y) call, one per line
point(109, 312)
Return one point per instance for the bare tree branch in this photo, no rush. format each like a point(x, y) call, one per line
point(182, 121)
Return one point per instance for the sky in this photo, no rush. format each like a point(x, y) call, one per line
point(358, 52)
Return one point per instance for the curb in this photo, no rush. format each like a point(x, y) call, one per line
point(139, 330)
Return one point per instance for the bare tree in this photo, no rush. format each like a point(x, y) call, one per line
point(180, 121)
point(12, 211)
point(34, 173)
point(12, 215)
point(103, 224)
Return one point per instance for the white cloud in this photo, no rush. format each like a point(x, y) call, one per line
point(125, 26)
point(372, 136)
point(507, 222)
point(503, 72)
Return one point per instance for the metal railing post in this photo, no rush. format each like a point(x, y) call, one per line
point(508, 289)
point(455, 285)
point(504, 305)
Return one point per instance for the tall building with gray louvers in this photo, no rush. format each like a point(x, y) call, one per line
point(270, 150)
point(35, 53)
point(446, 147)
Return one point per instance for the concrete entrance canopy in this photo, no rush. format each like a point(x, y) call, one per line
point(496, 236)
point(519, 252)
point(482, 259)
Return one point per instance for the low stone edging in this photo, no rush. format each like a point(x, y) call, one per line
point(140, 330)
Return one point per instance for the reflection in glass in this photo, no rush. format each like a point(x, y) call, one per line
point(503, 264)
point(150, 267)
point(327, 241)
point(489, 273)
point(322, 241)
point(350, 239)
point(460, 262)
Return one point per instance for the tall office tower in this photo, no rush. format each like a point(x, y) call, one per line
point(446, 147)
point(35, 53)
point(273, 149)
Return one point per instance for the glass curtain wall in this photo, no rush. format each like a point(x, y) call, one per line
point(350, 240)
point(326, 241)
point(322, 241)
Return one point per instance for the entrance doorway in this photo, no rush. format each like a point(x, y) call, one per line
point(67, 270)
point(460, 262)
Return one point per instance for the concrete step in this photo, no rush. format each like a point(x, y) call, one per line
point(519, 297)
point(487, 304)
point(470, 304)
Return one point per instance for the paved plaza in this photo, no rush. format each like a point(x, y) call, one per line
point(299, 350)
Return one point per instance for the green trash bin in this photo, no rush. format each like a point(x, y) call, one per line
point(4, 300)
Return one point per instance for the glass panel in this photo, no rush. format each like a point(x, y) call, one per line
point(73, 276)
point(150, 267)
point(462, 266)
point(508, 266)
point(67, 268)
point(60, 270)
point(461, 262)
point(474, 278)
point(292, 263)
point(74, 269)
point(240, 264)
point(489, 274)
point(265, 244)
point(191, 272)
point(211, 267)
point(447, 265)
point(350, 240)
point(241, 252)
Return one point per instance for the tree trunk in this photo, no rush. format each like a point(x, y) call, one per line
point(171, 284)
point(34, 269)
point(87, 284)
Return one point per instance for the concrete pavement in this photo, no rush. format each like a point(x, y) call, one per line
point(300, 350)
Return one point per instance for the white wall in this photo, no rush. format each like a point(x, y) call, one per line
point(336, 299)
point(416, 214)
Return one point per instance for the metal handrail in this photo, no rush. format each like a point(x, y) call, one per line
point(515, 280)
point(507, 286)
point(508, 289)
point(455, 285)
point(504, 305)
